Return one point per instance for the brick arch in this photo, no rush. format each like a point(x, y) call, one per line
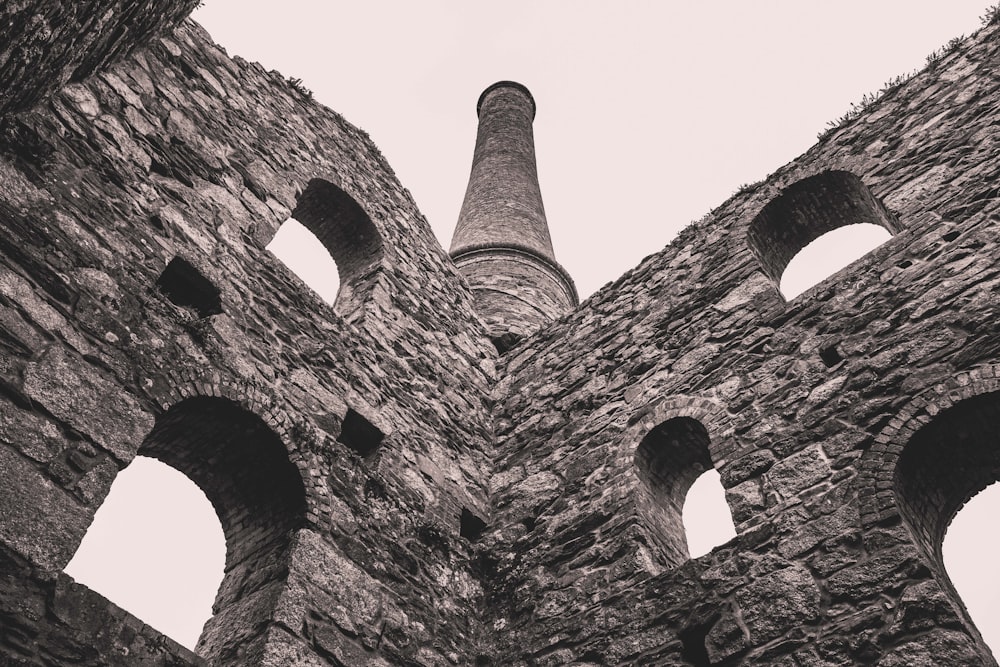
point(760, 195)
point(928, 461)
point(665, 449)
point(299, 438)
point(252, 460)
point(877, 468)
point(710, 413)
point(808, 209)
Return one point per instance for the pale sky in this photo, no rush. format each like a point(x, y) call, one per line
point(649, 115)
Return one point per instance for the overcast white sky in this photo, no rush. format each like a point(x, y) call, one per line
point(649, 114)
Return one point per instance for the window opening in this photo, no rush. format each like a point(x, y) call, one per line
point(808, 210)
point(351, 240)
point(186, 287)
point(505, 341)
point(668, 461)
point(828, 254)
point(708, 522)
point(242, 467)
point(947, 462)
point(971, 567)
point(693, 642)
point(156, 549)
point(306, 257)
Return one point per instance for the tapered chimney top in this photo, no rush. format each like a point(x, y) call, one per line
point(501, 243)
point(506, 84)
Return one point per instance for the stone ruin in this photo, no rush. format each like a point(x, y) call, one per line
point(457, 464)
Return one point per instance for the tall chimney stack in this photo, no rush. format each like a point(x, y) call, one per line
point(501, 243)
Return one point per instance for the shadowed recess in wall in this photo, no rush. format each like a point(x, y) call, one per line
point(808, 210)
point(187, 287)
point(668, 461)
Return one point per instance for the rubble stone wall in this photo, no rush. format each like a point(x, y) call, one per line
point(808, 404)
point(47, 43)
point(431, 502)
point(141, 313)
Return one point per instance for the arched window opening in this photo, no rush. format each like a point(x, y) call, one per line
point(944, 464)
point(242, 467)
point(351, 239)
point(828, 254)
point(156, 549)
point(810, 209)
point(972, 567)
point(708, 522)
point(668, 461)
point(306, 257)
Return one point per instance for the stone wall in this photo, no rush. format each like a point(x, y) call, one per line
point(48, 43)
point(60, 622)
point(140, 313)
point(428, 502)
point(806, 403)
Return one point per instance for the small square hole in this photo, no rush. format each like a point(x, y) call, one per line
point(186, 287)
point(472, 526)
point(830, 356)
point(504, 342)
point(360, 434)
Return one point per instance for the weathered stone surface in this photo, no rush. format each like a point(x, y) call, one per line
point(33, 436)
point(745, 500)
point(891, 567)
point(283, 649)
point(725, 639)
point(74, 391)
point(942, 647)
point(48, 43)
point(38, 520)
point(923, 606)
point(745, 467)
point(798, 472)
point(360, 598)
point(837, 524)
point(774, 604)
point(43, 315)
point(824, 414)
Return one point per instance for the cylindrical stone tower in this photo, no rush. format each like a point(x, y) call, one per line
point(502, 244)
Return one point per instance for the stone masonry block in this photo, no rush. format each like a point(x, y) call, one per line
point(38, 520)
point(778, 602)
point(74, 391)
